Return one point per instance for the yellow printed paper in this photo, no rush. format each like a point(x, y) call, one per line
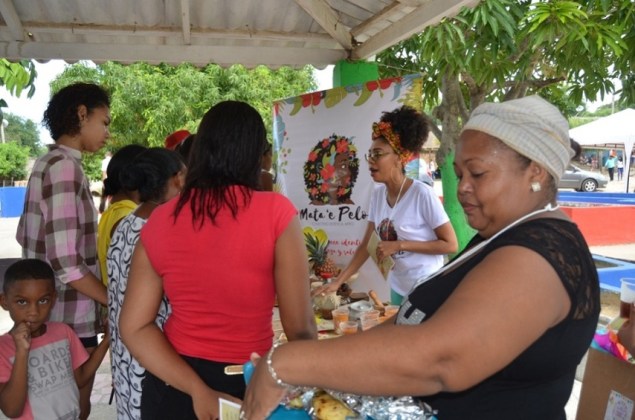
point(228, 410)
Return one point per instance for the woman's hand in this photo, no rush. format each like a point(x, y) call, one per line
point(387, 248)
point(326, 288)
point(206, 405)
point(263, 394)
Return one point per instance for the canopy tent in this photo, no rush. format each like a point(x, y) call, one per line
point(616, 129)
point(250, 32)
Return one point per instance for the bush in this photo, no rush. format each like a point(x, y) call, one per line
point(13, 160)
point(91, 163)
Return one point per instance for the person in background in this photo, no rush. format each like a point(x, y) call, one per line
point(173, 140)
point(122, 201)
point(59, 221)
point(184, 147)
point(104, 164)
point(499, 331)
point(104, 167)
point(220, 252)
point(433, 168)
point(620, 168)
point(157, 175)
point(610, 165)
point(41, 363)
point(406, 214)
point(266, 178)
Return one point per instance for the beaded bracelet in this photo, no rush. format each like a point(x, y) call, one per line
point(272, 371)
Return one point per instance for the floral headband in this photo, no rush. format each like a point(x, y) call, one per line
point(384, 130)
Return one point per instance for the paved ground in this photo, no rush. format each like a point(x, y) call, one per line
point(101, 392)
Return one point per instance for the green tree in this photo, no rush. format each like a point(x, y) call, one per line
point(24, 132)
point(149, 102)
point(568, 51)
point(15, 77)
point(13, 160)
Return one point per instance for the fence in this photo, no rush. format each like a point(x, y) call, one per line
point(11, 201)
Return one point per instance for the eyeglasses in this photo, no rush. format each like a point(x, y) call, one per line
point(375, 155)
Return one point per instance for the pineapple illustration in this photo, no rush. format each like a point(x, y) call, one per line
point(317, 243)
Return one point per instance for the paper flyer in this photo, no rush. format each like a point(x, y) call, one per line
point(228, 410)
point(384, 265)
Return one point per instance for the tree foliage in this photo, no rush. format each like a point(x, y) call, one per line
point(149, 102)
point(568, 51)
point(15, 77)
point(24, 132)
point(13, 160)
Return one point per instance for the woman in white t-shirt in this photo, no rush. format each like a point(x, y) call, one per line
point(620, 168)
point(406, 214)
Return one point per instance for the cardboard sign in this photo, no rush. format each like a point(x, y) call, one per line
point(608, 388)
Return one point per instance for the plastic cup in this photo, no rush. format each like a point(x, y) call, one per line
point(627, 297)
point(339, 315)
point(372, 314)
point(390, 310)
point(368, 323)
point(348, 327)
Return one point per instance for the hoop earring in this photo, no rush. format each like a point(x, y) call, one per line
point(535, 186)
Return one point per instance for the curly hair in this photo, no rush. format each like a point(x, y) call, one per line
point(61, 116)
point(410, 125)
point(320, 168)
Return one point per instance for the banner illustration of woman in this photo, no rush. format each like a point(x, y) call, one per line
point(331, 170)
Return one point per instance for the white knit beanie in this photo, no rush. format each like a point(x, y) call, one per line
point(531, 126)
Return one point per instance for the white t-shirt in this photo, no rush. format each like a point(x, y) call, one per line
point(414, 218)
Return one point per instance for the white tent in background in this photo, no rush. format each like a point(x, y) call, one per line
point(616, 129)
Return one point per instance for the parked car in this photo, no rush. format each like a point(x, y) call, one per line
point(582, 180)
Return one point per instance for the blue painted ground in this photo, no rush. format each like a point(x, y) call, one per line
point(597, 197)
point(610, 276)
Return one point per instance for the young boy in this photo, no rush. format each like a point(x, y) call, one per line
point(42, 363)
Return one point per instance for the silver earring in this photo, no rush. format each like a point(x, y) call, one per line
point(535, 186)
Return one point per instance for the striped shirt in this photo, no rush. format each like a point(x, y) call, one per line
point(59, 225)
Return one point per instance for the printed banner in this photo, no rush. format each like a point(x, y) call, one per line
point(320, 139)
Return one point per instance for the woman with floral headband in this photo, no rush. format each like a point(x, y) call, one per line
point(406, 214)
